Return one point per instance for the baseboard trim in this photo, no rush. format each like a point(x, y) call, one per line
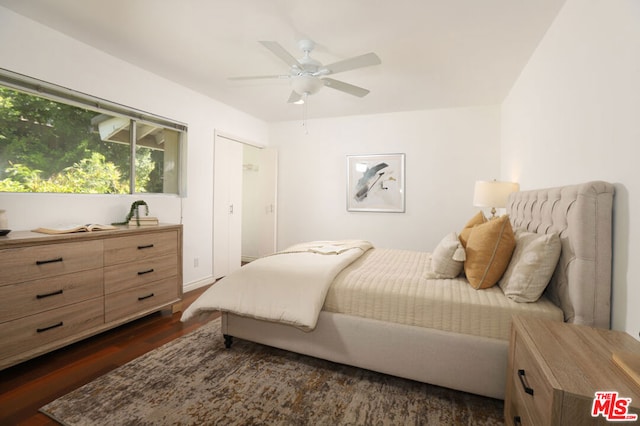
point(197, 284)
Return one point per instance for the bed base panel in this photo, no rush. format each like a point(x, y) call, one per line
point(463, 362)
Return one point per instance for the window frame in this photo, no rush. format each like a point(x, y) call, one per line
point(56, 93)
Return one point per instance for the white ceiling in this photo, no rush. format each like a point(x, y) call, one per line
point(435, 53)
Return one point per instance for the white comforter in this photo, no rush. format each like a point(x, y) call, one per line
point(288, 286)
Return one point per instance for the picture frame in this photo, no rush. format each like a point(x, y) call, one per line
point(375, 183)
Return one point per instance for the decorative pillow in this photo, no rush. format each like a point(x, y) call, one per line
point(447, 259)
point(477, 219)
point(489, 251)
point(532, 264)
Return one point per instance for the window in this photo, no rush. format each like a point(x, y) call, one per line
point(56, 140)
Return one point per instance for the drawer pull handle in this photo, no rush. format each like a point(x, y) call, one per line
point(517, 420)
point(43, 329)
point(44, 262)
point(145, 297)
point(526, 388)
point(145, 247)
point(53, 293)
point(148, 271)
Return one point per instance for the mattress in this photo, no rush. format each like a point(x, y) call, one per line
point(389, 285)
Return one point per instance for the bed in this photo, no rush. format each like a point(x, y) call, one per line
point(447, 341)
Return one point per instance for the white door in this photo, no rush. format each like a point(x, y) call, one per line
point(227, 206)
point(269, 158)
point(258, 202)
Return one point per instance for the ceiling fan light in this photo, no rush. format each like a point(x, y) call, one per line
point(306, 84)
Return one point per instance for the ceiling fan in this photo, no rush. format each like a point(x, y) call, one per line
point(308, 75)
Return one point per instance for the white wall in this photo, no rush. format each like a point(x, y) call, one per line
point(29, 48)
point(446, 152)
point(574, 115)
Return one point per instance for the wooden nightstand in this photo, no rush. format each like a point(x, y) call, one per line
point(555, 369)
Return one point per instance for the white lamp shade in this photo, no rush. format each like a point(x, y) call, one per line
point(306, 84)
point(493, 193)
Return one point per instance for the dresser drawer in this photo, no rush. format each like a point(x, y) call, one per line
point(139, 247)
point(48, 260)
point(141, 299)
point(135, 274)
point(29, 333)
point(531, 388)
point(33, 297)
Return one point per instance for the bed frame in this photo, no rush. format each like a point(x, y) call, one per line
point(581, 286)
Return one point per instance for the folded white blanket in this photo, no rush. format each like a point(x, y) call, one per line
point(327, 247)
point(289, 286)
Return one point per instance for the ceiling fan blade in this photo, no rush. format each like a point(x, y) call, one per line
point(281, 53)
point(345, 87)
point(361, 61)
point(258, 77)
point(294, 97)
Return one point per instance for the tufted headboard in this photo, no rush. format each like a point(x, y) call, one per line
point(581, 214)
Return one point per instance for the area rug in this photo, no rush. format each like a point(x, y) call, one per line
point(195, 380)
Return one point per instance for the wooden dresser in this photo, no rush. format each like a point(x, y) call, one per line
point(555, 369)
point(58, 289)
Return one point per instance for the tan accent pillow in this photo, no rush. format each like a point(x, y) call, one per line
point(532, 264)
point(489, 251)
point(477, 219)
point(447, 259)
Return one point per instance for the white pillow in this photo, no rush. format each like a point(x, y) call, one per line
point(447, 259)
point(531, 267)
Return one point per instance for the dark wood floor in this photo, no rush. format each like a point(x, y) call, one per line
point(26, 387)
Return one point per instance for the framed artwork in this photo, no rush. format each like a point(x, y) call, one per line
point(375, 183)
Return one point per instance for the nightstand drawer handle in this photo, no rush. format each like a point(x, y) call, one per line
point(43, 329)
point(148, 271)
point(53, 293)
point(44, 262)
point(145, 247)
point(526, 388)
point(146, 297)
